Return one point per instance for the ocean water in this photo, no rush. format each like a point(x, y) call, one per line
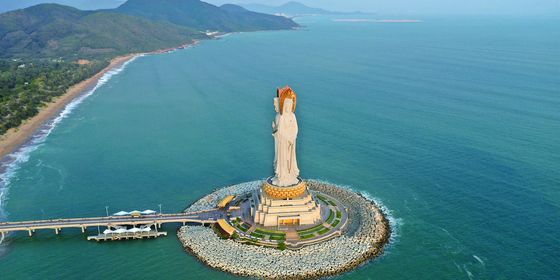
point(452, 123)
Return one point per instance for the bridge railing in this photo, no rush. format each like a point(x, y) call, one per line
point(106, 218)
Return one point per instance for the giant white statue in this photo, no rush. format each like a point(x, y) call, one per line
point(283, 199)
point(285, 131)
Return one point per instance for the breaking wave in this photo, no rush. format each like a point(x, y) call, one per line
point(395, 223)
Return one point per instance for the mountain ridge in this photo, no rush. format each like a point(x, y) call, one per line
point(203, 16)
point(291, 8)
point(54, 30)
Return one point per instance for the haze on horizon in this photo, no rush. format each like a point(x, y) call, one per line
point(451, 7)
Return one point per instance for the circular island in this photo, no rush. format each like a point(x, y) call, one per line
point(353, 230)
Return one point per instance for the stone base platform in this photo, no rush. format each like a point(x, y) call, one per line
point(284, 206)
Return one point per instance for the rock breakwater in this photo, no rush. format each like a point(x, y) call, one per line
point(363, 240)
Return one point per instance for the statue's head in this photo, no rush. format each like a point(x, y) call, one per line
point(284, 94)
point(288, 105)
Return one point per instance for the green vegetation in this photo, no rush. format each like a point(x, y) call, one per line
point(244, 227)
point(306, 236)
point(203, 16)
point(277, 237)
point(269, 232)
point(219, 232)
point(41, 45)
point(331, 217)
point(338, 214)
point(310, 230)
point(281, 246)
point(239, 224)
point(26, 86)
point(336, 222)
point(272, 234)
point(322, 198)
point(326, 200)
point(319, 229)
point(257, 235)
point(56, 31)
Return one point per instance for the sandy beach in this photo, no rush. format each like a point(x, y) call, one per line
point(18, 136)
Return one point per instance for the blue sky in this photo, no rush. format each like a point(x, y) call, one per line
point(510, 7)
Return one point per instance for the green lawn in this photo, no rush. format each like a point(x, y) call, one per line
point(307, 236)
point(338, 214)
point(331, 217)
point(254, 234)
point(241, 225)
point(277, 237)
point(311, 230)
point(269, 232)
point(335, 223)
point(244, 227)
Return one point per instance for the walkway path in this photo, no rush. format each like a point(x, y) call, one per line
point(201, 217)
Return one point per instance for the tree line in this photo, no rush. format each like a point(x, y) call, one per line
point(27, 85)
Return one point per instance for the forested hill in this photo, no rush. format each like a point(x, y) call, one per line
point(204, 16)
point(52, 30)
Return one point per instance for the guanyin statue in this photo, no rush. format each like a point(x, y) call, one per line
point(285, 131)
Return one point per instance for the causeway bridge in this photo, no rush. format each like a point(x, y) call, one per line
point(201, 217)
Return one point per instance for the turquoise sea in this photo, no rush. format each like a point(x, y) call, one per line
point(452, 123)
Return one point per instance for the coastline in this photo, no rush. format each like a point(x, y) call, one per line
point(18, 136)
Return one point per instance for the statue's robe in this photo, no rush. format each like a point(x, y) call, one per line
point(286, 167)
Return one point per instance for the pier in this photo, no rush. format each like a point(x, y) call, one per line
point(126, 236)
point(157, 220)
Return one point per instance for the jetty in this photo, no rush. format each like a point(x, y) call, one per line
point(156, 220)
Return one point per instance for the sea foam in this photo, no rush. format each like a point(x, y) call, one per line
point(394, 222)
point(11, 163)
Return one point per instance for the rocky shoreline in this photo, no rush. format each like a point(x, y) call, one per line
point(364, 239)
